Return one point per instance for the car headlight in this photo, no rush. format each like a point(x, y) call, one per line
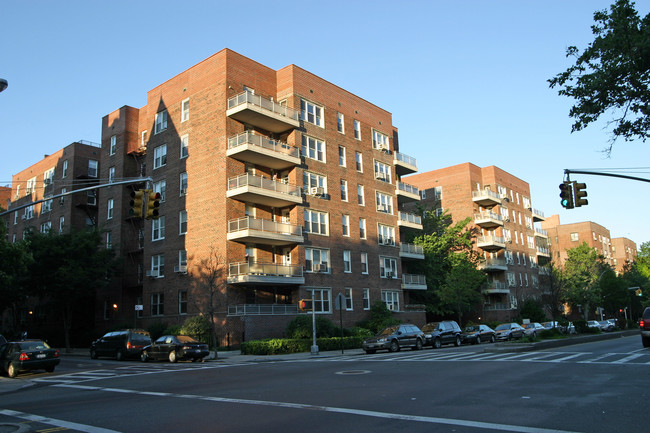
point(381, 340)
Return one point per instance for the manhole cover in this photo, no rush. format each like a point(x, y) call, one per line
point(348, 372)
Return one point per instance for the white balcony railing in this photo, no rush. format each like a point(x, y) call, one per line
point(410, 189)
point(264, 183)
point(410, 218)
point(250, 223)
point(249, 137)
point(411, 248)
point(264, 269)
point(262, 310)
point(267, 104)
point(405, 159)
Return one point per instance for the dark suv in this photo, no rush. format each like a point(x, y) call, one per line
point(127, 343)
point(394, 338)
point(439, 333)
point(644, 325)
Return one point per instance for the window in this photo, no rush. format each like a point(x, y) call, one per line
point(344, 190)
point(379, 140)
point(312, 180)
point(46, 227)
point(317, 260)
point(340, 124)
point(437, 193)
point(92, 168)
point(347, 261)
point(348, 299)
point(574, 237)
point(359, 161)
point(161, 188)
point(185, 146)
point(109, 207)
point(143, 139)
point(183, 183)
point(160, 123)
point(157, 304)
point(160, 156)
point(316, 222)
point(91, 198)
point(366, 299)
point(112, 146)
point(312, 113)
point(15, 218)
point(357, 129)
point(531, 242)
point(185, 110)
point(64, 171)
point(362, 228)
point(158, 265)
point(345, 224)
point(391, 299)
point(384, 202)
point(48, 177)
point(364, 262)
point(386, 234)
point(17, 191)
point(61, 224)
point(109, 240)
point(387, 267)
point(182, 302)
point(512, 279)
point(182, 257)
point(46, 206)
point(321, 300)
point(111, 175)
point(31, 186)
point(158, 229)
point(182, 222)
point(342, 156)
point(382, 171)
point(29, 212)
point(361, 199)
point(313, 148)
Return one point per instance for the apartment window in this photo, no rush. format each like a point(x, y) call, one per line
point(342, 156)
point(518, 258)
point(160, 123)
point(160, 156)
point(344, 190)
point(382, 171)
point(316, 222)
point(158, 229)
point(364, 262)
point(91, 198)
point(347, 261)
point(340, 124)
point(512, 279)
point(313, 180)
point(348, 299)
point(17, 191)
point(92, 168)
point(345, 224)
point(357, 129)
point(423, 194)
point(321, 299)
point(109, 207)
point(387, 267)
point(15, 218)
point(46, 227)
point(391, 299)
point(379, 140)
point(29, 213)
point(143, 139)
point(161, 188)
point(183, 183)
point(362, 228)
point(64, 171)
point(182, 222)
point(158, 265)
point(185, 146)
point(48, 177)
point(111, 175)
point(574, 237)
point(109, 240)
point(437, 193)
point(386, 234)
point(182, 302)
point(313, 148)
point(366, 299)
point(182, 257)
point(531, 242)
point(185, 110)
point(312, 113)
point(359, 161)
point(31, 186)
point(61, 224)
point(317, 260)
point(113, 145)
point(157, 304)
point(361, 199)
point(46, 206)
point(384, 202)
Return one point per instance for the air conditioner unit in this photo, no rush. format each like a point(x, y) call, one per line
point(320, 267)
point(382, 208)
point(380, 176)
point(183, 191)
point(47, 181)
point(152, 273)
point(180, 269)
point(24, 217)
point(319, 191)
point(388, 241)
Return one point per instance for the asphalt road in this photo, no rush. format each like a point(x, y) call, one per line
point(591, 388)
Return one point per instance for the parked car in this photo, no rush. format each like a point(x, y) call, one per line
point(554, 324)
point(644, 325)
point(20, 356)
point(438, 333)
point(127, 343)
point(613, 322)
point(606, 325)
point(533, 328)
point(175, 348)
point(478, 334)
point(394, 338)
point(593, 324)
point(508, 331)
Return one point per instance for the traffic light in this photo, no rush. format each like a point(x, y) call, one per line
point(136, 203)
point(566, 194)
point(153, 203)
point(305, 305)
point(579, 190)
point(638, 292)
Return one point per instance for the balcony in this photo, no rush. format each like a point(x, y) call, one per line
point(404, 164)
point(542, 251)
point(486, 198)
point(414, 282)
point(256, 189)
point(263, 310)
point(544, 270)
point(261, 231)
point(262, 113)
point(491, 243)
point(496, 307)
point(488, 220)
point(493, 265)
point(263, 151)
point(496, 288)
point(409, 220)
point(411, 251)
point(264, 273)
point(541, 233)
point(538, 215)
point(406, 193)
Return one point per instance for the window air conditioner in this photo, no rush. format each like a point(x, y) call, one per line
point(382, 208)
point(320, 267)
point(24, 217)
point(320, 191)
point(152, 273)
point(180, 269)
point(380, 176)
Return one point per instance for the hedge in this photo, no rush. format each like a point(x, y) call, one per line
point(278, 346)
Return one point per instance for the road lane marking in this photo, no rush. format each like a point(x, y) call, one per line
point(628, 358)
point(358, 412)
point(56, 422)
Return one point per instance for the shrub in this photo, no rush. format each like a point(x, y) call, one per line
point(550, 333)
point(380, 318)
point(532, 309)
point(301, 327)
point(581, 326)
point(279, 346)
point(157, 330)
point(173, 330)
point(197, 327)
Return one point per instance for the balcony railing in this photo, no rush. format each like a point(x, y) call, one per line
point(262, 310)
point(406, 193)
point(543, 251)
point(486, 197)
point(541, 232)
point(264, 151)
point(410, 218)
point(538, 215)
point(264, 273)
point(404, 164)
point(491, 243)
point(496, 307)
point(265, 113)
point(257, 189)
point(411, 251)
point(493, 265)
point(488, 219)
point(249, 229)
point(414, 282)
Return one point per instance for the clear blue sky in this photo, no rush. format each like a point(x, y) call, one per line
point(465, 80)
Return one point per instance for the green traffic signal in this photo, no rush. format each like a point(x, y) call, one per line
point(566, 194)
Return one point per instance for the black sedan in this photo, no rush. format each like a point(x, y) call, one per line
point(175, 348)
point(20, 356)
point(478, 334)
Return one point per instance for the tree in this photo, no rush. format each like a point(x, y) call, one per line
point(14, 261)
point(612, 74)
point(461, 291)
point(554, 285)
point(583, 270)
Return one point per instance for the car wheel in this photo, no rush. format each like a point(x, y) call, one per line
point(457, 342)
point(437, 344)
point(418, 345)
point(493, 339)
point(645, 341)
point(172, 356)
point(370, 352)
point(144, 356)
point(50, 369)
point(93, 354)
point(11, 371)
point(394, 346)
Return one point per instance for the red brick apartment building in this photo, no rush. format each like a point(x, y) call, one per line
point(499, 204)
point(5, 197)
point(279, 184)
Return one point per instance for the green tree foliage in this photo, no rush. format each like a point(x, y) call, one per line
point(302, 326)
point(460, 292)
point(554, 283)
point(197, 327)
point(533, 309)
point(14, 261)
point(583, 270)
point(612, 74)
point(380, 318)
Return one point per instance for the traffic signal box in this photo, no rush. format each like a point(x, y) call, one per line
point(305, 305)
point(566, 194)
point(580, 192)
point(136, 204)
point(153, 203)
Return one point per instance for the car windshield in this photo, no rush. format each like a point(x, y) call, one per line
point(471, 329)
point(390, 330)
point(186, 339)
point(429, 327)
point(34, 345)
point(503, 327)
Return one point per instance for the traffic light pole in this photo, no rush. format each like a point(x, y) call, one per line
point(567, 172)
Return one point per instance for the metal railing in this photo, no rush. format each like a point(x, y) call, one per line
point(496, 285)
point(496, 307)
point(490, 263)
point(249, 137)
point(488, 215)
point(262, 309)
point(405, 159)
point(538, 212)
point(490, 240)
point(410, 248)
point(264, 269)
point(543, 250)
point(488, 193)
point(267, 104)
point(408, 188)
point(410, 217)
point(541, 232)
point(250, 223)
point(89, 143)
point(413, 279)
point(264, 183)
